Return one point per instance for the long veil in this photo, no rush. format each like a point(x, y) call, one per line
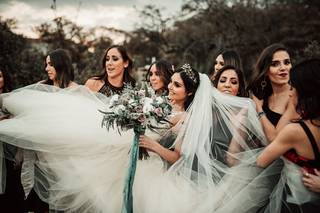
point(82, 166)
point(219, 142)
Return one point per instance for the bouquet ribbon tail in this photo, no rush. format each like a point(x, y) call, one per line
point(127, 206)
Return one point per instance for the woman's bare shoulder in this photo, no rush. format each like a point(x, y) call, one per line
point(94, 84)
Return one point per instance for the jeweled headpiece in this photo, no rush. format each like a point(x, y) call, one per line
point(188, 70)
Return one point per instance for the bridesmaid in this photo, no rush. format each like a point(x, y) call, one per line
point(230, 80)
point(299, 141)
point(271, 89)
point(159, 76)
point(225, 58)
point(117, 66)
point(60, 74)
point(12, 195)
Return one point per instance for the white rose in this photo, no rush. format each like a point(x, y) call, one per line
point(159, 100)
point(114, 99)
point(118, 109)
point(147, 107)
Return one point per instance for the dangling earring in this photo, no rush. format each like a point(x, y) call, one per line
point(263, 83)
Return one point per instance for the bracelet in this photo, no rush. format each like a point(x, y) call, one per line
point(260, 114)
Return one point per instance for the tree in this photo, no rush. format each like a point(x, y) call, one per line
point(18, 57)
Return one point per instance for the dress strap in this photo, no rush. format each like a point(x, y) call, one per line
point(312, 140)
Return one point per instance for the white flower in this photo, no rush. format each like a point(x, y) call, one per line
point(118, 109)
point(114, 99)
point(159, 100)
point(131, 101)
point(147, 107)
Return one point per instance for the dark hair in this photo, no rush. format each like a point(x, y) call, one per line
point(242, 86)
point(305, 78)
point(7, 87)
point(260, 70)
point(166, 71)
point(127, 78)
point(230, 57)
point(191, 85)
point(61, 61)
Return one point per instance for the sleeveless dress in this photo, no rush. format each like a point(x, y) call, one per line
point(272, 116)
point(108, 90)
point(309, 166)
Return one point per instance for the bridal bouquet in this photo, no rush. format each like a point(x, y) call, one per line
point(137, 110)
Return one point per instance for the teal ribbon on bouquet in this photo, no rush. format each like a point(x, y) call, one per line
point(127, 206)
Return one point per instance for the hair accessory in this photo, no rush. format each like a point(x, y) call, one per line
point(188, 70)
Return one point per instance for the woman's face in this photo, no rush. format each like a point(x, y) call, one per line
point(1, 80)
point(115, 64)
point(52, 73)
point(229, 82)
point(155, 79)
point(219, 63)
point(177, 90)
point(280, 67)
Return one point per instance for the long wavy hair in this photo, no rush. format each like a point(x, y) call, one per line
point(61, 61)
point(127, 78)
point(191, 83)
point(261, 69)
point(230, 57)
point(166, 71)
point(305, 78)
point(242, 86)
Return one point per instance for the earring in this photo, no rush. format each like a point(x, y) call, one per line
point(263, 83)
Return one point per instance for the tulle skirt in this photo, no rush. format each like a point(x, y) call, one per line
point(82, 166)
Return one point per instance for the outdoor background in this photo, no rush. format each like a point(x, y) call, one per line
point(191, 31)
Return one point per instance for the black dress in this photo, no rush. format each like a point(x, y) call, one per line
point(108, 90)
point(13, 198)
point(272, 116)
point(307, 165)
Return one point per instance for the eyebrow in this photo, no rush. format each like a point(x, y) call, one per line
point(276, 60)
point(230, 78)
point(176, 82)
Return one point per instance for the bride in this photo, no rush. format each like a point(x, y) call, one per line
point(83, 166)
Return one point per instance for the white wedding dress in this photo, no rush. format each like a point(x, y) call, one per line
point(83, 166)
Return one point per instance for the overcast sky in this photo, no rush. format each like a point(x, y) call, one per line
point(120, 14)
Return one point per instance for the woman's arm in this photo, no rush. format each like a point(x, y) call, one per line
point(152, 145)
point(238, 136)
point(281, 144)
point(269, 129)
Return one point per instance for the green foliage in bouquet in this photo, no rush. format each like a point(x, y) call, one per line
point(137, 110)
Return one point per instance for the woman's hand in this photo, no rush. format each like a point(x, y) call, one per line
point(258, 102)
point(312, 182)
point(148, 143)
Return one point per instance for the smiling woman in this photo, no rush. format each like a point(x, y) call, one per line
point(271, 89)
point(159, 74)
